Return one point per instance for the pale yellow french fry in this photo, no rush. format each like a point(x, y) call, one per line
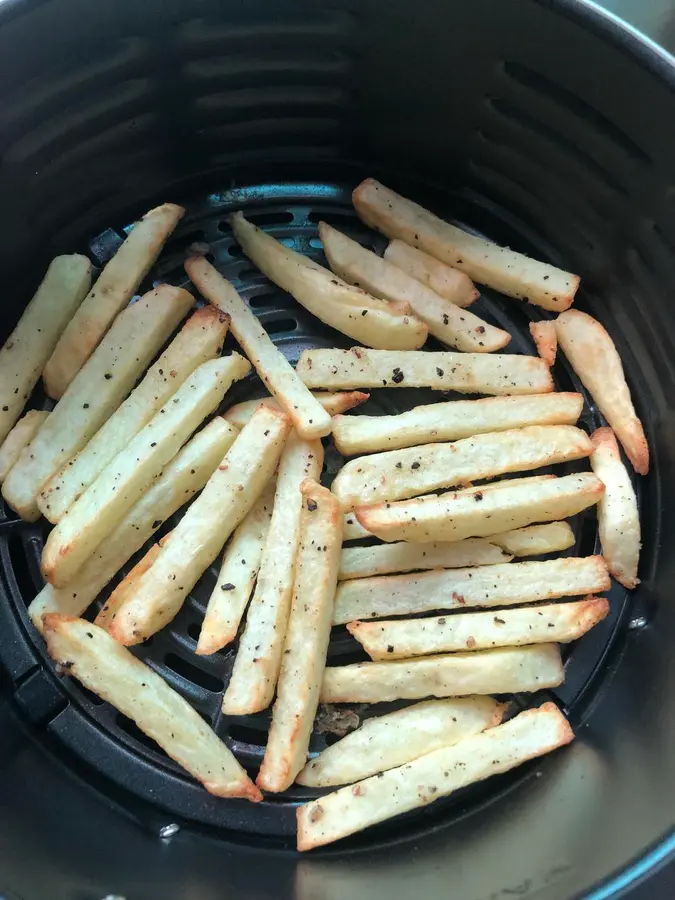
point(95, 393)
point(385, 742)
point(333, 402)
point(307, 414)
point(512, 273)
point(450, 283)
point(545, 339)
point(29, 346)
point(506, 584)
point(384, 559)
point(89, 654)
point(199, 340)
point(256, 666)
point(19, 437)
point(126, 588)
point(438, 774)
point(535, 539)
point(113, 289)
point(307, 638)
point(405, 638)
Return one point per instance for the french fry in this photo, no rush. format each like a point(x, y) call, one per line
point(352, 311)
point(126, 587)
point(507, 271)
point(307, 638)
point(103, 666)
point(29, 346)
point(186, 474)
point(132, 471)
point(333, 402)
point(405, 638)
point(196, 541)
point(452, 420)
point(593, 356)
point(399, 474)
point(95, 393)
point(506, 584)
point(535, 539)
point(453, 517)
point(383, 559)
point(502, 670)
point(545, 339)
point(447, 282)
point(199, 340)
point(307, 414)
point(467, 373)
point(385, 742)
point(113, 289)
point(19, 437)
point(438, 774)
point(256, 666)
point(618, 517)
point(238, 572)
point(456, 327)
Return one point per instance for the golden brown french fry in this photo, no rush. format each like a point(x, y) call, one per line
point(30, 345)
point(350, 809)
point(19, 437)
point(535, 539)
point(307, 414)
point(452, 420)
point(95, 393)
point(545, 339)
point(618, 517)
point(103, 666)
point(200, 340)
point(450, 283)
point(385, 742)
point(468, 373)
point(256, 666)
point(352, 311)
point(113, 289)
point(399, 474)
point(199, 536)
point(593, 356)
point(405, 638)
point(456, 327)
point(502, 670)
point(453, 517)
point(506, 584)
point(507, 271)
point(383, 559)
point(333, 402)
point(307, 639)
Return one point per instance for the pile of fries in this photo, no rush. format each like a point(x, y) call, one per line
point(439, 590)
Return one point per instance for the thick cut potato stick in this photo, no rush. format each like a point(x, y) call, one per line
point(258, 659)
point(447, 282)
point(453, 517)
point(399, 474)
point(238, 572)
point(195, 542)
point(89, 654)
point(405, 638)
point(133, 470)
point(384, 559)
point(507, 271)
point(186, 474)
point(307, 414)
point(113, 289)
point(307, 639)
point(454, 326)
point(535, 539)
point(593, 356)
point(618, 517)
point(392, 740)
point(502, 670)
point(19, 437)
point(95, 393)
point(126, 587)
point(367, 319)
point(545, 340)
point(438, 774)
point(506, 584)
point(467, 373)
point(333, 402)
point(29, 346)
point(199, 340)
point(452, 420)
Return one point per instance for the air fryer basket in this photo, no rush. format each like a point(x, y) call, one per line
point(536, 123)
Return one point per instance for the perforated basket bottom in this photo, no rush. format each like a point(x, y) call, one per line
point(102, 745)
